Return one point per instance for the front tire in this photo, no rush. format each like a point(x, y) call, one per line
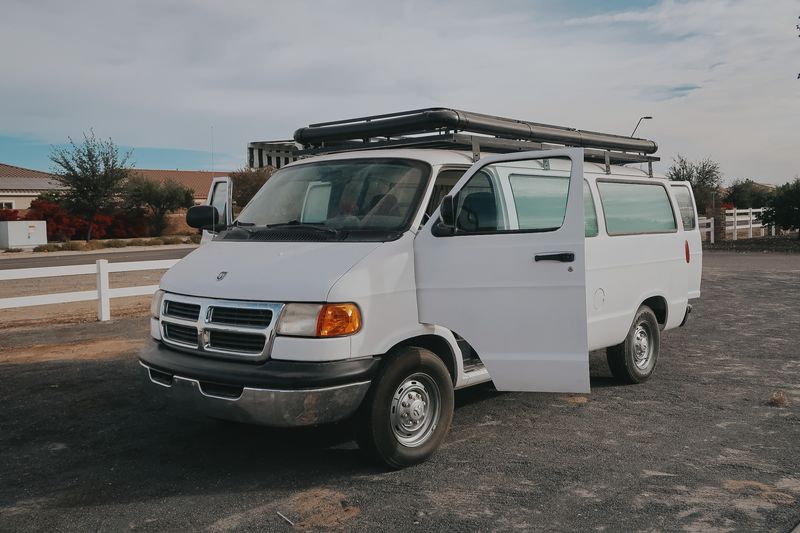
point(407, 412)
point(634, 360)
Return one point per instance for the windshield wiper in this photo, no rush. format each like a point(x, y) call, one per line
point(296, 224)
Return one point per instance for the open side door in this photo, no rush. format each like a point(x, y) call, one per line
point(510, 277)
point(220, 195)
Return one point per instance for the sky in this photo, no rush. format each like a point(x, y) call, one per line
point(720, 77)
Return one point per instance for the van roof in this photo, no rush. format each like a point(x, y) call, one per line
point(438, 157)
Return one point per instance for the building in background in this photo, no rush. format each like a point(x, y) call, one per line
point(19, 186)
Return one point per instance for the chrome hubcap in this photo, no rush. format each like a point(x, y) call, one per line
point(642, 347)
point(415, 410)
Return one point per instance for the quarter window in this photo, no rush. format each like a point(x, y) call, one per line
point(632, 208)
point(6, 205)
point(685, 205)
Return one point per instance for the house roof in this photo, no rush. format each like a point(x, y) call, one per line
point(199, 181)
point(13, 178)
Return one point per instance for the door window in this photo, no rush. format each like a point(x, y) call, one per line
point(540, 200)
point(478, 206)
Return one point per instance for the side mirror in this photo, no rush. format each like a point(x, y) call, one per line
point(203, 217)
point(448, 212)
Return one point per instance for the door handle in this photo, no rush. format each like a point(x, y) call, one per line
point(563, 257)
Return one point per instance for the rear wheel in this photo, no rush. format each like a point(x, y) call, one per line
point(407, 413)
point(634, 360)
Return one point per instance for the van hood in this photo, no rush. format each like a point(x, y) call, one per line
point(265, 271)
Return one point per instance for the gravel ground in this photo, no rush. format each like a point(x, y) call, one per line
point(86, 445)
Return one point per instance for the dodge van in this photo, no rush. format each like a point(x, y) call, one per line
point(398, 258)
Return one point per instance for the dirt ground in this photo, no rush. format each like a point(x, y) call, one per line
point(709, 444)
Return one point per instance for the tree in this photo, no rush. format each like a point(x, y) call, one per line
point(93, 173)
point(704, 176)
point(747, 193)
point(784, 207)
point(247, 182)
point(157, 198)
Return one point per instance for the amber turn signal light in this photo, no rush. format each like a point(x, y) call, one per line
point(335, 320)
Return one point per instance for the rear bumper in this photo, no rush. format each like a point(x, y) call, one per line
point(275, 393)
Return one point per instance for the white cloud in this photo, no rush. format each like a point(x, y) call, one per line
point(161, 73)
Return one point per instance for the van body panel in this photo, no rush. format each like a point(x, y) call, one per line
point(265, 271)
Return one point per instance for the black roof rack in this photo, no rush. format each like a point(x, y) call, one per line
point(454, 129)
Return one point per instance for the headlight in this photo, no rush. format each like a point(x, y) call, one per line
point(320, 320)
point(155, 304)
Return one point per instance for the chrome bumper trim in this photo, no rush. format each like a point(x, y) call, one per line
point(268, 407)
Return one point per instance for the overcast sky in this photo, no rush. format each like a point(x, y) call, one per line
point(719, 77)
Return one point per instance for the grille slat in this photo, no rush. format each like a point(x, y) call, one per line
point(178, 333)
point(236, 342)
point(244, 317)
point(182, 310)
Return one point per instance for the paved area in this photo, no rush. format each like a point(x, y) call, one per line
point(85, 444)
point(116, 255)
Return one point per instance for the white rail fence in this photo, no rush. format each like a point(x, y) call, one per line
point(103, 294)
point(737, 220)
point(706, 227)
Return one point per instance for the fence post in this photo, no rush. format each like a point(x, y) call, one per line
point(735, 224)
point(103, 294)
point(750, 222)
point(712, 230)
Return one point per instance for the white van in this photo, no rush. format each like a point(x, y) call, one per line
point(373, 282)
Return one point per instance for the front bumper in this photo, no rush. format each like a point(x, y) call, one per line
point(275, 393)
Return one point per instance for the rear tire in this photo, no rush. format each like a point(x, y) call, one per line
point(407, 412)
point(634, 360)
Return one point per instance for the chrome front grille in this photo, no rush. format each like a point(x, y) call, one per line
point(229, 329)
point(240, 317)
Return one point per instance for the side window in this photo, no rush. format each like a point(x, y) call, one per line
point(478, 207)
point(589, 212)
point(540, 200)
point(685, 205)
point(443, 184)
point(632, 208)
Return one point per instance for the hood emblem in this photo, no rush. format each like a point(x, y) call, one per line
point(221, 275)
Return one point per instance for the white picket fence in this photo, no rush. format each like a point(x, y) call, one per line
point(706, 227)
point(103, 294)
point(737, 220)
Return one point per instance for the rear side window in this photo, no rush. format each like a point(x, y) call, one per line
point(632, 208)
point(685, 205)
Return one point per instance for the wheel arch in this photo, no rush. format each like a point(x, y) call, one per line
point(439, 346)
point(659, 306)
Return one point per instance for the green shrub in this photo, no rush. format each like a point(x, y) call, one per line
point(116, 243)
point(154, 242)
point(136, 242)
point(172, 240)
point(13, 250)
point(195, 238)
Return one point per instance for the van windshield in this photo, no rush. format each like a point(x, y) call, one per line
point(338, 198)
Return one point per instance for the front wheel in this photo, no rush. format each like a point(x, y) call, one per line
point(634, 360)
point(407, 413)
